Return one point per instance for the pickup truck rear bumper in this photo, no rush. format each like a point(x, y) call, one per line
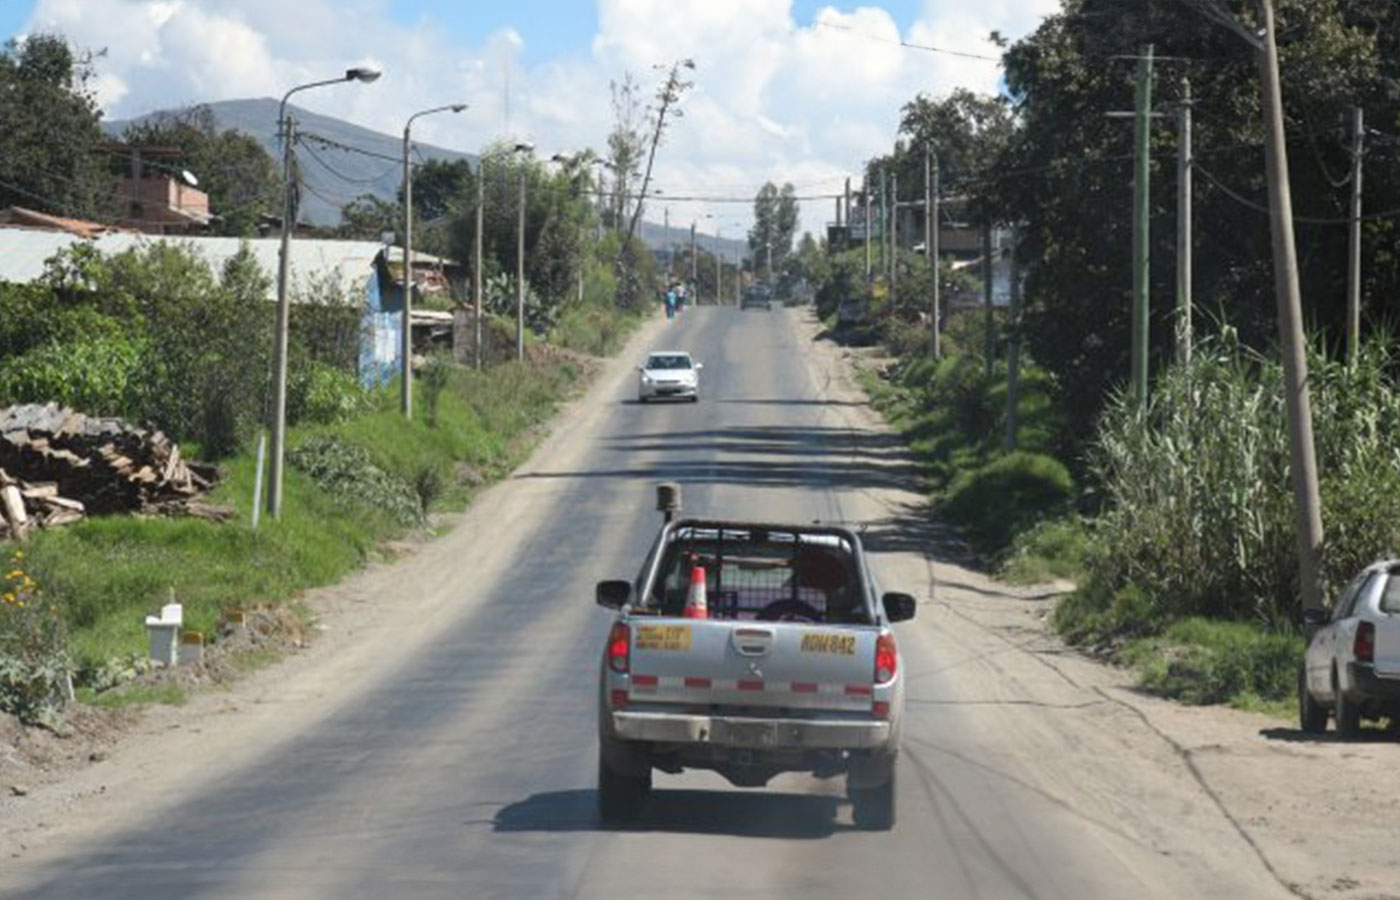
point(727, 731)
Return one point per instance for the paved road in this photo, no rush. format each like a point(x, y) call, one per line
point(466, 770)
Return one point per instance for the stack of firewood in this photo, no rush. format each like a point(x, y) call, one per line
point(57, 465)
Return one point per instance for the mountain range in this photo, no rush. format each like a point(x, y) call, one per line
point(341, 161)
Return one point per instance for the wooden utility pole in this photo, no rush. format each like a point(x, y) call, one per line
point(1013, 354)
point(1358, 136)
point(1183, 228)
point(520, 271)
point(936, 312)
point(1302, 455)
point(1142, 165)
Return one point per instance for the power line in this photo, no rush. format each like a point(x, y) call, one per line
point(1307, 220)
point(875, 37)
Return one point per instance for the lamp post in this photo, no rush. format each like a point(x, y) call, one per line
point(406, 365)
point(278, 425)
point(520, 259)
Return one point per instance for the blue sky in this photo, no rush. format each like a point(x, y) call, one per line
point(551, 29)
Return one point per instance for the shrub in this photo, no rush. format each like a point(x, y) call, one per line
point(1007, 496)
point(436, 375)
point(1054, 548)
point(99, 373)
point(1204, 661)
point(34, 667)
point(321, 393)
point(346, 471)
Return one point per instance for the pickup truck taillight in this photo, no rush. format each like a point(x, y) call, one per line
point(1364, 647)
point(620, 648)
point(886, 659)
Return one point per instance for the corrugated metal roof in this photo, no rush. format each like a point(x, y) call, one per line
point(346, 263)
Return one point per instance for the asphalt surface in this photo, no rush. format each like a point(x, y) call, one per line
point(467, 770)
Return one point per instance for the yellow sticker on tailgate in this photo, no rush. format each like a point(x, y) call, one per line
point(826, 642)
point(663, 637)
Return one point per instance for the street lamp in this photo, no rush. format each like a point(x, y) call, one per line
point(526, 148)
point(287, 126)
point(406, 364)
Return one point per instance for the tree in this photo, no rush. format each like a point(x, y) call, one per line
point(242, 179)
point(626, 145)
point(667, 96)
point(775, 224)
point(367, 218)
point(1066, 175)
point(49, 156)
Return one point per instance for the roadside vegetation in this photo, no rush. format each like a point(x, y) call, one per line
point(1176, 521)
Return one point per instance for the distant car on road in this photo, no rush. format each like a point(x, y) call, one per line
point(1351, 669)
point(757, 296)
point(669, 373)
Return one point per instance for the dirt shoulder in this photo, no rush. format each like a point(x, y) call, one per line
point(113, 764)
point(1313, 816)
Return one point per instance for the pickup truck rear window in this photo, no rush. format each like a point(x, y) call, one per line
point(762, 578)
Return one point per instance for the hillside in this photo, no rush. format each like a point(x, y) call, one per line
point(334, 176)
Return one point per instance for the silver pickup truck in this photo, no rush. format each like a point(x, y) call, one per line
point(751, 649)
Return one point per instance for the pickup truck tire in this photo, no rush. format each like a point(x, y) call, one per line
point(621, 798)
point(1312, 716)
point(1346, 713)
point(873, 808)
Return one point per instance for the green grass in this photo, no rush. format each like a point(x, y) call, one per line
point(1201, 661)
point(134, 695)
point(1053, 549)
point(108, 573)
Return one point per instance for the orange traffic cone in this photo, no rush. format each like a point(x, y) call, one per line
point(696, 606)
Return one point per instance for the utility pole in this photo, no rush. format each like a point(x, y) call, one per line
point(406, 345)
point(476, 268)
point(894, 236)
point(865, 196)
point(1013, 353)
point(666, 239)
point(719, 271)
point(1302, 454)
point(934, 341)
point(848, 203)
point(990, 337)
point(278, 445)
point(1183, 228)
point(1141, 263)
point(1358, 136)
point(520, 271)
point(693, 282)
point(768, 249)
point(884, 221)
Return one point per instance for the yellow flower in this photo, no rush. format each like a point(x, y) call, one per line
point(9, 597)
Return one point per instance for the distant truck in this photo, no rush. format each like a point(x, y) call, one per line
point(751, 649)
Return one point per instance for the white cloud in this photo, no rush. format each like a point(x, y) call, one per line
point(774, 98)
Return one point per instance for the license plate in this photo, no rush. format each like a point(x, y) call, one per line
point(751, 734)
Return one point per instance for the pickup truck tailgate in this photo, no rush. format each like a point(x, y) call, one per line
point(752, 664)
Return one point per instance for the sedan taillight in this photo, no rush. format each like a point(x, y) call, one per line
point(1364, 647)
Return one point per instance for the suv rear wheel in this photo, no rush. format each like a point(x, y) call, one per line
point(1345, 712)
point(1312, 716)
point(620, 797)
point(873, 809)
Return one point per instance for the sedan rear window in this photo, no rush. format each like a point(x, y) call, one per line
point(1390, 597)
point(669, 361)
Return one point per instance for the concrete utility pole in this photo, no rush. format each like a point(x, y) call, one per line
point(935, 312)
point(1142, 166)
point(884, 221)
point(406, 350)
point(1302, 455)
point(990, 337)
point(1013, 354)
point(476, 262)
point(848, 204)
point(719, 270)
point(520, 270)
point(1183, 228)
point(768, 251)
point(894, 235)
point(865, 197)
point(277, 450)
point(1358, 137)
point(693, 282)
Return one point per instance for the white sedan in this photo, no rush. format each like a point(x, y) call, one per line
point(1352, 666)
point(668, 373)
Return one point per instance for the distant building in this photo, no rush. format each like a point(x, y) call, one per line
point(358, 272)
